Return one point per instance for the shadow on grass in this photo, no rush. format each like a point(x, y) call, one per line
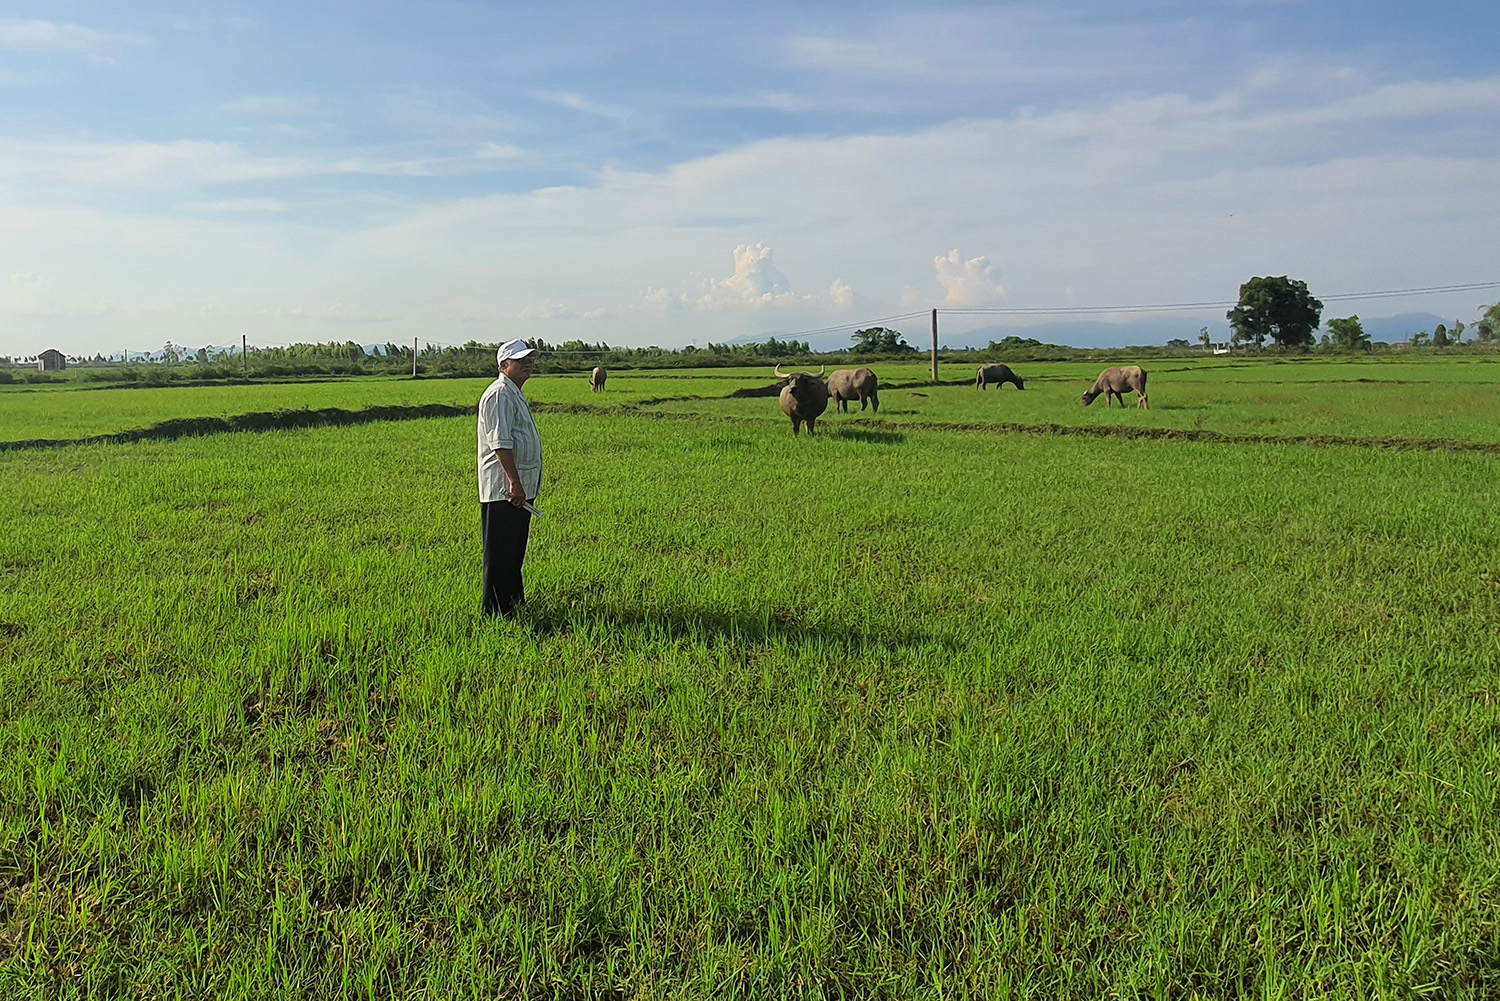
point(562, 614)
point(272, 420)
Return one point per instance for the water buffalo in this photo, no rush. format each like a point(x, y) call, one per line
point(596, 379)
point(999, 375)
point(1121, 379)
point(804, 397)
point(854, 384)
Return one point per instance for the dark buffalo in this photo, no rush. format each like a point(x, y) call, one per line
point(854, 384)
point(999, 375)
point(1121, 379)
point(596, 379)
point(804, 397)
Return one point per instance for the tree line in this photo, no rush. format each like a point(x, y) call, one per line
point(1276, 309)
point(1284, 311)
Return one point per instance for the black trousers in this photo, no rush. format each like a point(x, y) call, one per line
point(504, 529)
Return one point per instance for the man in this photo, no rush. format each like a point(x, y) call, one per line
point(510, 475)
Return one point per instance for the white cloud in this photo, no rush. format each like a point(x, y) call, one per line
point(841, 54)
point(755, 280)
point(577, 102)
point(26, 292)
point(238, 205)
point(967, 283)
point(232, 25)
point(272, 104)
point(1118, 201)
point(550, 310)
point(755, 284)
point(187, 162)
point(300, 312)
point(54, 36)
point(658, 299)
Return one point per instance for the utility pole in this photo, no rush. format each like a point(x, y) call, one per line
point(934, 346)
point(245, 355)
point(413, 357)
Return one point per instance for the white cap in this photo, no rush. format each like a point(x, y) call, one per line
point(513, 349)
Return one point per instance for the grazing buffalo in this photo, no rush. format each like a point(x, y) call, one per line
point(999, 375)
point(804, 397)
point(596, 379)
point(854, 384)
point(1122, 379)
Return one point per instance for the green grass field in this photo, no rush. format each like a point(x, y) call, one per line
point(898, 711)
point(1458, 398)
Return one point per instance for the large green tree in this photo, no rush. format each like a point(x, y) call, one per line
point(880, 340)
point(1278, 308)
point(1348, 334)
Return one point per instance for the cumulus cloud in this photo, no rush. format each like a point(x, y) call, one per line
point(755, 283)
point(755, 277)
point(967, 283)
point(658, 298)
point(1081, 192)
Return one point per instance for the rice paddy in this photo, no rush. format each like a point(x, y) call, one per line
point(903, 710)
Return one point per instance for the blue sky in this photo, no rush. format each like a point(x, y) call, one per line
point(687, 173)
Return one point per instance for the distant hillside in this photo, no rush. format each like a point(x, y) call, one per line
point(1396, 328)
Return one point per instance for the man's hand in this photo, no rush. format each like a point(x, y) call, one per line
point(514, 492)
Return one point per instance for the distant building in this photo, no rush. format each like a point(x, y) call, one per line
point(51, 360)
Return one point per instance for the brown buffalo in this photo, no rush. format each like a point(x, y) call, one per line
point(596, 379)
point(804, 397)
point(999, 375)
point(1121, 379)
point(854, 384)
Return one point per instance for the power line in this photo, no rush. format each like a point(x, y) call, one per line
point(863, 323)
point(1150, 308)
point(1393, 293)
point(1169, 306)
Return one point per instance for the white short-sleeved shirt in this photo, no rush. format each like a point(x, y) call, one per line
point(505, 422)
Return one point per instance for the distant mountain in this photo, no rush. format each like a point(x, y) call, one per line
point(1397, 328)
